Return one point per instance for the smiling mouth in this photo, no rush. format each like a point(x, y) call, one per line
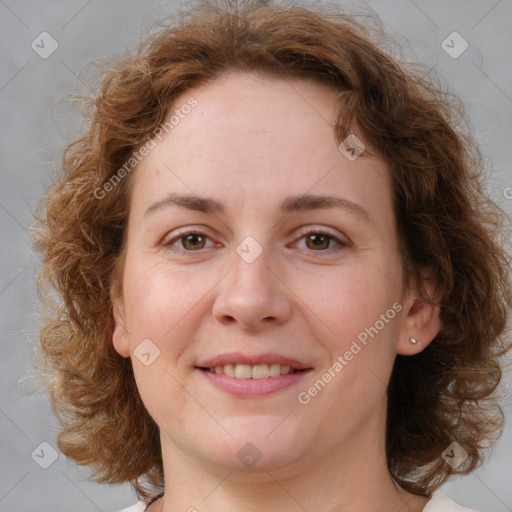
point(257, 371)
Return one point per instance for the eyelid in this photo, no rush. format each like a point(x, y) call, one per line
point(183, 232)
point(186, 230)
point(180, 233)
point(307, 230)
point(342, 240)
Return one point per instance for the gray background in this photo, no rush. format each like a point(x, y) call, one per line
point(35, 128)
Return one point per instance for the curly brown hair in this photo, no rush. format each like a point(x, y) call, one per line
point(444, 219)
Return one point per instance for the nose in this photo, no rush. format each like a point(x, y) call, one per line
point(252, 296)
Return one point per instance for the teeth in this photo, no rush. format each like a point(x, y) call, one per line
point(275, 370)
point(258, 371)
point(229, 370)
point(243, 371)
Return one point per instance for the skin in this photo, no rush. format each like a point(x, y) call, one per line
point(250, 142)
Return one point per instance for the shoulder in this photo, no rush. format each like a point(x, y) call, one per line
point(138, 507)
point(143, 504)
point(442, 503)
point(438, 503)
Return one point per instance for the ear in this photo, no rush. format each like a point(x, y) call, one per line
point(120, 337)
point(421, 318)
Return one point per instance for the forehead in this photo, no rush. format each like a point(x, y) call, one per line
point(253, 104)
point(254, 135)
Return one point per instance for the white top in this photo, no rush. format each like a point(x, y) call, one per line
point(441, 503)
point(438, 503)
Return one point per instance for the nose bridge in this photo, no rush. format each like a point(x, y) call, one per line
point(251, 265)
point(251, 293)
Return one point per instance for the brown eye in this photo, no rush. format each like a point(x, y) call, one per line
point(318, 241)
point(322, 242)
point(193, 241)
point(188, 241)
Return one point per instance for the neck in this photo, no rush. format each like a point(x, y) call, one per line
point(350, 476)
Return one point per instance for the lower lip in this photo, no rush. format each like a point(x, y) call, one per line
point(253, 387)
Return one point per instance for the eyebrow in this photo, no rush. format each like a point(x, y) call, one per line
point(298, 203)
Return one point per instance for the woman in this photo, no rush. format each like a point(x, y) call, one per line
point(281, 281)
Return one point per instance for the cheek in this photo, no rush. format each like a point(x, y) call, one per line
point(351, 300)
point(159, 300)
point(360, 307)
point(161, 307)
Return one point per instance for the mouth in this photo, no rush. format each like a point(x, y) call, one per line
point(242, 375)
point(257, 371)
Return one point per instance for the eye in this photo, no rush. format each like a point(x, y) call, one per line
point(193, 240)
point(189, 241)
point(321, 241)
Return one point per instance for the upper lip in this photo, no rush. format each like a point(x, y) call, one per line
point(238, 358)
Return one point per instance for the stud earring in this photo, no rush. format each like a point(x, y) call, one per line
point(413, 341)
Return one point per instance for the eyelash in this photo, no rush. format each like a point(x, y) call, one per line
point(183, 234)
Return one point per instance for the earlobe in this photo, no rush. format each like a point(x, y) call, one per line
point(119, 332)
point(421, 322)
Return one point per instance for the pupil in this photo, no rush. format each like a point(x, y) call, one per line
point(319, 240)
point(193, 240)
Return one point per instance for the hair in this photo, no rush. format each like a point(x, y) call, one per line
point(449, 230)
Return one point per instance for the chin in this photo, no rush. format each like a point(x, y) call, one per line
point(259, 443)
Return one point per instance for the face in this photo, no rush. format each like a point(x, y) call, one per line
point(255, 245)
